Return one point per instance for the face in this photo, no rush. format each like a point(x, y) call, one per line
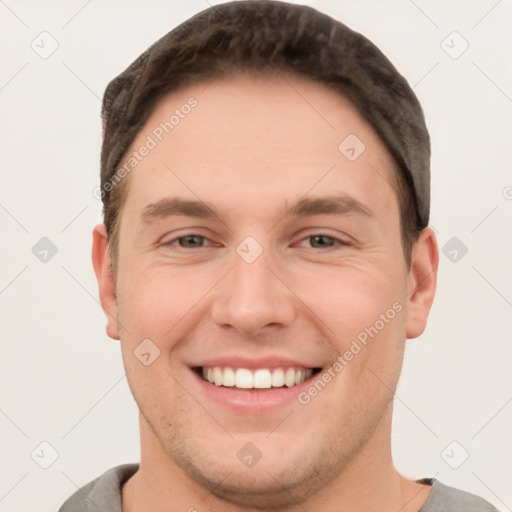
point(262, 264)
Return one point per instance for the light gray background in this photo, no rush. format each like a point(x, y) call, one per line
point(62, 379)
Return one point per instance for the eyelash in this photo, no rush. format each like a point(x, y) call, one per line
point(341, 243)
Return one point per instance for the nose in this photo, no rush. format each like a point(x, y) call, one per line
point(253, 297)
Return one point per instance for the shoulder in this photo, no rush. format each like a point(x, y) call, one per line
point(448, 499)
point(102, 493)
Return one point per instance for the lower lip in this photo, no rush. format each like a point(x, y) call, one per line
point(252, 400)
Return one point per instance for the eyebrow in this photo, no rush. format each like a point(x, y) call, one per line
point(304, 207)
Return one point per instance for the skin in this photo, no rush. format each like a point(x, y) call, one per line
point(249, 148)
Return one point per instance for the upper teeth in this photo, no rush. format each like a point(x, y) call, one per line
point(261, 378)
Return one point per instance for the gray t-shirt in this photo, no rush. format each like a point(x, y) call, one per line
point(104, 494)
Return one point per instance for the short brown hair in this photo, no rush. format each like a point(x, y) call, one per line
point(268, 37)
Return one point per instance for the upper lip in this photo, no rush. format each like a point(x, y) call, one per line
point(253, 363)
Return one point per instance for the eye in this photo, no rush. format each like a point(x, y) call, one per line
point(190, 241)
point(317, 241)
point(322, 241)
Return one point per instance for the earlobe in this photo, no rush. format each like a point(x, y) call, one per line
point(422, 282)
point(105, 278)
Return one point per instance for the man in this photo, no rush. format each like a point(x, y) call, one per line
point(264, 256)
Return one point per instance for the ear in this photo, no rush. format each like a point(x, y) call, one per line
point(422, 282)
point(105, 278)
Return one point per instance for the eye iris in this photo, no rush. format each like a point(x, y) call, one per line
point(322, 239)
point(190, 241)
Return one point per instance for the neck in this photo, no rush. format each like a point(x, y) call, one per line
point(369, 482)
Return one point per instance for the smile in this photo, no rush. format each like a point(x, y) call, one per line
point(260, 378)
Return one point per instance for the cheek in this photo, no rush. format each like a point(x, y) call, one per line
point(154, 300)
point(353, 298)
point(363, 313)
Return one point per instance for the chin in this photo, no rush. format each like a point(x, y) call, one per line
point(277, 480)
point(265, 488)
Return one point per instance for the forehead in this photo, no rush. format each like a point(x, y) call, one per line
point(258, 136)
